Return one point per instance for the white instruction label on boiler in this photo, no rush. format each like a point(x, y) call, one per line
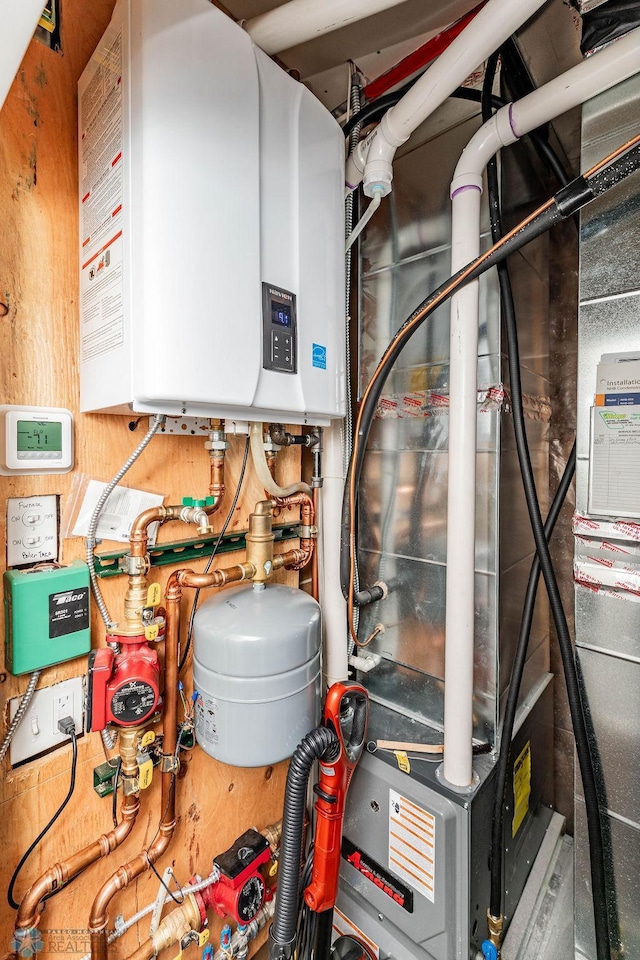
point(101, 199)
point(412, 842)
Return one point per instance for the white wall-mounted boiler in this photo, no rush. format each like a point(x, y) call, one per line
point(211, 225)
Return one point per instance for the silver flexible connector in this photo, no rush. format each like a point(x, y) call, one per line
point(90, 542)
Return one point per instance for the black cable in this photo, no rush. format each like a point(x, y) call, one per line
point(371, 112)
point(171, 894)
point(45, 830)
point(543, 559)
point(212, 556)
point(567, 201)
point(114, 797)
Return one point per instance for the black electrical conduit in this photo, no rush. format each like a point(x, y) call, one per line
point(542, 561)
point(282, 935)
point(563, 204)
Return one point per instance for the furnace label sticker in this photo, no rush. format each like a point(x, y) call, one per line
point(412, 844)
point(521, 788)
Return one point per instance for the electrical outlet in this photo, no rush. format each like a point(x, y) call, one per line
point(38, 730)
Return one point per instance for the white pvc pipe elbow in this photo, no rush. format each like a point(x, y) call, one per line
point(489, 28)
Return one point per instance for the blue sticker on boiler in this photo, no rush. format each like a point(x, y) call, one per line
point(319, 356)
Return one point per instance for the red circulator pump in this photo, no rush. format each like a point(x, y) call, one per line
point(240, 892)
point(124, 687)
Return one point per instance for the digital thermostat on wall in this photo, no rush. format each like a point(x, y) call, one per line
point(35, 440)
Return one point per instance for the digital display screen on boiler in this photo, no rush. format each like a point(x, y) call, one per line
point(281, 313)
point(40, 436)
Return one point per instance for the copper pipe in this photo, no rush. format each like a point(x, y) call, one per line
point(98, 919)
point(217, 578)
point(61, 873)
point(271, 462)
point(145, 951)
point(140, 529)
point(139, 536)
point(217, 487)
point(307, 519)
point(292, 559)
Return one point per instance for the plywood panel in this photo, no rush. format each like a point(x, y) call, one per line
point(38, 281)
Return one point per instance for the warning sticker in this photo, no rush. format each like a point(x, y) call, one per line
point(206, 720)
point(101, 196)
point(521, 788)
point(412, 838)
point(343, 927)
point(68, 612)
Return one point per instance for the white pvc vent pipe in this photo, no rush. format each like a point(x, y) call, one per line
point(603, 70)
point(301, 20)
point(372, 159)
point(19, 21)
point(334, 607)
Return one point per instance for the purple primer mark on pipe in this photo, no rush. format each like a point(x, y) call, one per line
point(512, 122)
point(467, 186)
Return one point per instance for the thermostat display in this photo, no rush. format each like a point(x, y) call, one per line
point(35, 440)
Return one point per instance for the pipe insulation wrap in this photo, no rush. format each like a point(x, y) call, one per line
point(283, 930)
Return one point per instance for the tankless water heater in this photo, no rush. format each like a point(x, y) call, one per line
point(211, 225)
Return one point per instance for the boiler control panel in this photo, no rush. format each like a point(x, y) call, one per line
point(279, 330)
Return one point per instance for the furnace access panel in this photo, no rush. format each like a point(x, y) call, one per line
point(207, 174)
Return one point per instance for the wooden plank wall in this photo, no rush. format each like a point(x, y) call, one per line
point(39, 336)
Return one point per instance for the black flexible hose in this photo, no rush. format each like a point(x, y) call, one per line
point(543, 557)
point(282, 935)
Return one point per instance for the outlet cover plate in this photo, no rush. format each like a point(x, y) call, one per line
point(38, 730)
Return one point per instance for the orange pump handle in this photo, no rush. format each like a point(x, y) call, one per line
point(346, 712)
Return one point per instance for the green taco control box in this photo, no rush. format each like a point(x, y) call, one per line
point(46, 616)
